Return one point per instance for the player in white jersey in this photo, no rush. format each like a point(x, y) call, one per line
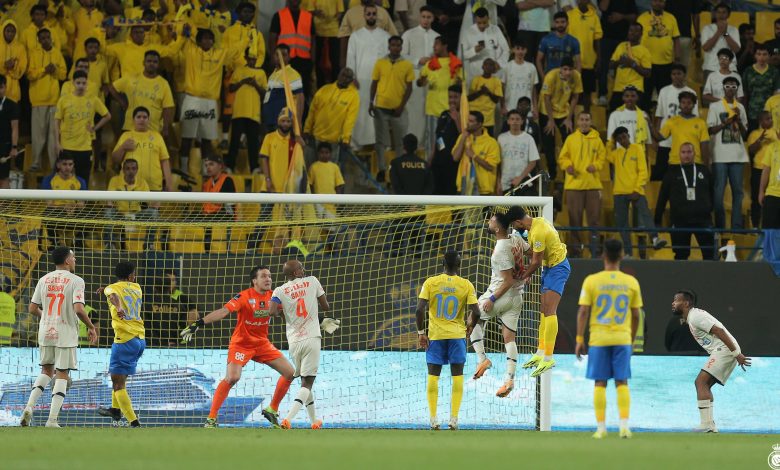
point(724, 352)
point(502, 300)
point(59, 301)
point(302, 299)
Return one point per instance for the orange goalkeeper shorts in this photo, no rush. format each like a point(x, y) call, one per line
point(264, 353)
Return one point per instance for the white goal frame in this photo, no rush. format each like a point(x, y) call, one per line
point(545, 203)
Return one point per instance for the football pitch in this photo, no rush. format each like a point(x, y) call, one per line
point(233, 449)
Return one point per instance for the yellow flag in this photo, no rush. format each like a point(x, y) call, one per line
point(296, 169)
point(465, 167)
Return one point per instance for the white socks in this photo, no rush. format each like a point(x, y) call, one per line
point(310, 407)
point(477, 344)
point(57, 397)
point(623, 424)
point(300, 398)
point(40, 383)
point(705, 412)
point(601, 426)
point(511, 359)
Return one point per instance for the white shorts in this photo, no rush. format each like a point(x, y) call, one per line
point(306, 356)
point(506, 308)
point(720, 365)
point(61, 358)
point(199, 118)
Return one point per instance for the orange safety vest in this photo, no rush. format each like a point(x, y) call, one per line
point(298, 39)
point(209, 186)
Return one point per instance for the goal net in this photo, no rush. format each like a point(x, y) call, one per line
point(194, 252)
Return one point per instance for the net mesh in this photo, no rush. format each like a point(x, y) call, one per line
point(192, 258)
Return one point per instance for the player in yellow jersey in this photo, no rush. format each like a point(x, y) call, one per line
point(124, 300)
point(613, 294)
point(548, 251)
point(446, 298)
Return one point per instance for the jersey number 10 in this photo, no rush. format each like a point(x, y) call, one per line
point(446, 307)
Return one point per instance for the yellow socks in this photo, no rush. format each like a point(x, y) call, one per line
point(542, 324)
point(457, 395)
point(600, 403)
point(114, 403)
point(432, 390)
point(624, 401)
point(550, 333)
point(123, 399)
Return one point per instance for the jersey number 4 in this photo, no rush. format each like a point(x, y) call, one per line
point(300, 308)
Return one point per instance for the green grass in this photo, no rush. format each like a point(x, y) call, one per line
point(233, 449)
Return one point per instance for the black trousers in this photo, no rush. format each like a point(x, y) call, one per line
point(771, 213)
point(253, 132)
point(305, 67)
point(548, 143)
point(755, 207)
point(661, 164)
point(331, 47)
point(681, 240)
point(660, 76)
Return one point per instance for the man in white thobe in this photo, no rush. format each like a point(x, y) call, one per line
point(418, 49)
point(481, 41)
point(365, 47)
point(473, 5)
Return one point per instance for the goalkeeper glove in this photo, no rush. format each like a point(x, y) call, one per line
point(187, 333)
point(329, 325)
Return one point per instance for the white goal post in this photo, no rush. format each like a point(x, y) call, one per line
point(360, 246)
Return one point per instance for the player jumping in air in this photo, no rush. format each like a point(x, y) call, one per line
point(249, 342)
point(548, 251)
point(724, 352)
point(59, 301)
point(446, 298)
point(124, 301)
point(302, 299)
point(612, 294)
point(503, 299)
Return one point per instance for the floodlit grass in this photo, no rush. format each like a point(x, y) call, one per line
point(233, 449)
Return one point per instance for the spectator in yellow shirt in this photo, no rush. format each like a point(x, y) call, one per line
point(86, 19)
point(325, 178)
point(326, 24)
point(684, 128)
point(439, 74)
point(98, 65)
point(74, 124)
point(149, 90)
point(560, 94)
point(582, 158)
point(483, 153)
point(46, 69)
point(631, 176)
point(202, 85)
point(485, 92)
point(769, 192)
point(391, 87)
point(661, 36)
point(632, 64)
point(128, 180)
point(332, 116)
point(14, 58)
point(758, 143)
point(148, 148)
point(30, 33)
point(249, 83)
point(585, 25)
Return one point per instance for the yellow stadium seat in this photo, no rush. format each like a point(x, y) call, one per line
point(735, 19)
point(765, 25)
point(219, 240)
point(186, 239)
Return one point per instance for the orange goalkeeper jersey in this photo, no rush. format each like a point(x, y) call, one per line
point(253, 317)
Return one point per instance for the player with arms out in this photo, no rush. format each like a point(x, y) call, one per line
point(503, 299)
point(125, 299)
point(723, 349)
point(548, 251)
point(59, 301)
point(249, 342)
point(446, 298)
point(302, 298)
point(612, 294)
